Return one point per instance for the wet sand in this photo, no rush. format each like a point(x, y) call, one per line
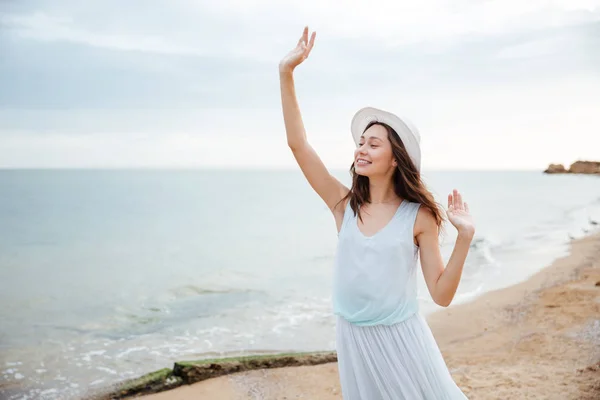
point(539, 339)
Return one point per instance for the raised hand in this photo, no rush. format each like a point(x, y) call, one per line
point(458, 214)
point(299, 53)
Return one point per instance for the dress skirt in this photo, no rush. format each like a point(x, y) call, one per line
point(392, 362)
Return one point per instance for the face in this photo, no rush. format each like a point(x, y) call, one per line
point(373, 156)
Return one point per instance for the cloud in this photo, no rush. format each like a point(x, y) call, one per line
point(255, 28)
point(46, 28)
point(185, 74)
point(567, 42)
point(389, 24)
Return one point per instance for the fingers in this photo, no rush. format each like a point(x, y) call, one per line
point(310, 45)
point(466, 207)
point(312, 41)
point(304, 42)
point(303, 36)
point(458, 201)
point(455, 200)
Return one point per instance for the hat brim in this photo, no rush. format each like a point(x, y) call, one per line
point(407, 132)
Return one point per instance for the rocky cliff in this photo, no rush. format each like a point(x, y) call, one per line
point(578, 167)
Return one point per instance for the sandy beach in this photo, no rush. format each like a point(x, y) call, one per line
point(539, 339)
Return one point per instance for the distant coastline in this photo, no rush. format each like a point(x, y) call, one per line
point(578, 167)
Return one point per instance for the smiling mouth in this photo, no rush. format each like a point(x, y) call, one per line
point(362, 162)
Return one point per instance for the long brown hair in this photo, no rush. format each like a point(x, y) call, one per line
point(407, 181)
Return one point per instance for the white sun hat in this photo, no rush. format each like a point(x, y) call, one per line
point(407, 132)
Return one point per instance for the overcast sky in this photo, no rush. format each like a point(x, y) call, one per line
point(507, 84)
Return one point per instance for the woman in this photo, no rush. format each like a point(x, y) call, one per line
point(384, 221)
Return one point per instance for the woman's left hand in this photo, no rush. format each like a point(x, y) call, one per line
point(458, 214)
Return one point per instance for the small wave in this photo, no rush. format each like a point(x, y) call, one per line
point(131, 350)
point(192, 290)
point(478, 242)
point(481, 248)
point(487, 255)
point(213, 330)
point(464, 296)
point(293, 314)
point(108, 370)
point(13, 364)
point(88, 355)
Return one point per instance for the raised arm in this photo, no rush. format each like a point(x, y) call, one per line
point(319, 178)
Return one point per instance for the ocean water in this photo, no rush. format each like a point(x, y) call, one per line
point(109, 274)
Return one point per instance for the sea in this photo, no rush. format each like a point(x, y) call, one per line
point(106, 275)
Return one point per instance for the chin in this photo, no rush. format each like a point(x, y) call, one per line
point(361, 171)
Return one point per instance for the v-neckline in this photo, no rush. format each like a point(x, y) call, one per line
point(383, 227)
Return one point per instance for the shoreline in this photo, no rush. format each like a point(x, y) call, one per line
point(503, 343)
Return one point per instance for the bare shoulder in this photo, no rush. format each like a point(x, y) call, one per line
point(425, 221)
point(426, 229)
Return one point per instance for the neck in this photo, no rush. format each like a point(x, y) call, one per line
point(382, 190)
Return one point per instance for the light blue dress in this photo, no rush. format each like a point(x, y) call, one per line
point(385, 347)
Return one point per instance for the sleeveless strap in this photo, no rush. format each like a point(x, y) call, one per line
point(410, 217)
point(412, 211)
